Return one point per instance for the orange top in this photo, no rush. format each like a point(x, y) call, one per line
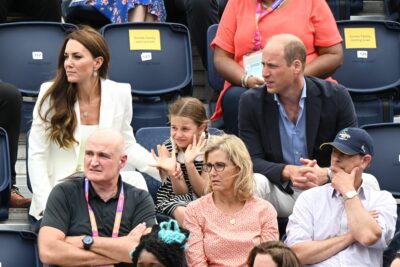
point(310, 20)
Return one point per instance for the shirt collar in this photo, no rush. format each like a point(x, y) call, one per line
point(360, 191)
point(93, 194)
point(302, 96)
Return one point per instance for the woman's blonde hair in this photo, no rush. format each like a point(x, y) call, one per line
point(60, 116)
point(236, 152)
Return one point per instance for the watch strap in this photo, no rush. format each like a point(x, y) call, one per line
point(349, 195)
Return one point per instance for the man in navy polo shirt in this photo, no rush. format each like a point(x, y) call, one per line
point(98, 219)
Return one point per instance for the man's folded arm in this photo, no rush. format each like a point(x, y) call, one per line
point(53, 249)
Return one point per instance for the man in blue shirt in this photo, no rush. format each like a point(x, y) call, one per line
point(284, 123)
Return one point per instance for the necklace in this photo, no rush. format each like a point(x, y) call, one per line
point(232, 221)
point(85, 114)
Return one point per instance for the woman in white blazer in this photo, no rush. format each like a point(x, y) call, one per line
point(77, 102)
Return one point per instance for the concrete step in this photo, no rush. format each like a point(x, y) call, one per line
point(18, 220)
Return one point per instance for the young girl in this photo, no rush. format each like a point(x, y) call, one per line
point(162, 247)
point(181, 158)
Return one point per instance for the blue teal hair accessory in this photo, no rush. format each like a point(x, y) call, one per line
point(169, 233)
point(131, 252)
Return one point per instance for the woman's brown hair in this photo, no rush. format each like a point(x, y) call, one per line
point(60, 116)
point(281, 254)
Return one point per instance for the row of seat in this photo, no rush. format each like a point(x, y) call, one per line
point(385, 166)
point(155, 58)
point(371, 68)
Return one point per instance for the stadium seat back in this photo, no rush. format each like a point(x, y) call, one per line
point(371, 55)
point(19, 248)
point(30, 51)
point(214, 79)
point(156, 60)
point(5, 175)
point(385, 165)
point(371, 68)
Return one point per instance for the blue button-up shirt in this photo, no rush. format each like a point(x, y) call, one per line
point(293, 136)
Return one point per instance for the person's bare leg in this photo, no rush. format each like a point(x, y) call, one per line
point(150, 17)
point(179, 214)
point(137, 14)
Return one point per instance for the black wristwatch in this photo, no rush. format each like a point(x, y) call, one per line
point(87, 241)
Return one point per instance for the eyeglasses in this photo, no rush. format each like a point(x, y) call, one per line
point(218, 167)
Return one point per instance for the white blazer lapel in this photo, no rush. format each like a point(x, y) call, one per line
point(107, 105)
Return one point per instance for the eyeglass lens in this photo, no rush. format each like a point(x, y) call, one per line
point(219, 167)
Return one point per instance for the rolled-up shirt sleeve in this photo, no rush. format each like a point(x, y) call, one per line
point(387, 217)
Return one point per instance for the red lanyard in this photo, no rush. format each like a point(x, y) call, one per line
point(118, 213)
point(259, 16)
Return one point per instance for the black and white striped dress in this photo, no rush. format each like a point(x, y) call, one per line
point(167, 200)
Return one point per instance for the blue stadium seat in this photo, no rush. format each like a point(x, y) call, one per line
point(156, 59)
point(385, 165)
point(214, 79)
point(19, 248)
point(342, 9)
point(373, 108)
point(30, 50)
point(371, 68)
point(82, 14)
point(392, 11)
point(5, 176)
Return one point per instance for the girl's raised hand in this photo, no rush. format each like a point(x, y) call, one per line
point(195, 149)
point(166, 161)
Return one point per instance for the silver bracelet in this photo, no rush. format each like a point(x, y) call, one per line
point(242, 79)
point(246, 79)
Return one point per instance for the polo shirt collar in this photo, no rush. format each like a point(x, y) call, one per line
point(93, 194)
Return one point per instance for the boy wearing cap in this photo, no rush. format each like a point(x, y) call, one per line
point(343, 223)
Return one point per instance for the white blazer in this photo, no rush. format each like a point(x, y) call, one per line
point(48, 163)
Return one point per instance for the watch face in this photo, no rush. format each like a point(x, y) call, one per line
point(87, 241)
point(351, 194)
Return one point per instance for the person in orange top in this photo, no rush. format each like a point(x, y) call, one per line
point(241, 33)
point(228, 222)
